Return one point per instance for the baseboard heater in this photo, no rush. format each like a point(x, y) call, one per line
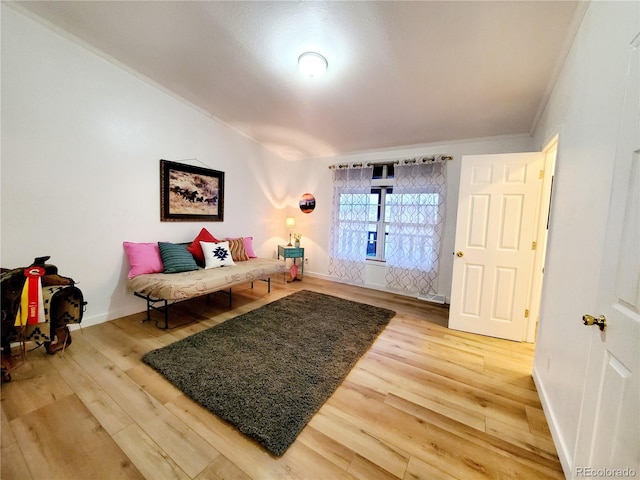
point(433, 298)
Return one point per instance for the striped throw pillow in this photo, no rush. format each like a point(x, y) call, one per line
point(176, 258)
point(238, 252)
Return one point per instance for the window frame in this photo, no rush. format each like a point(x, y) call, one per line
point(384, 185)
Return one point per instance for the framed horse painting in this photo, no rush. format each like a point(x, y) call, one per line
point(189, 193)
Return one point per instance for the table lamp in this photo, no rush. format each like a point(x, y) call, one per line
point(290, 222)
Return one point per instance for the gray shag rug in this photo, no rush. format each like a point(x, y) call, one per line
point(269, 371)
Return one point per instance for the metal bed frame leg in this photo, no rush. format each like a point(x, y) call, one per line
point(150, 305)
point(166, 315)
point(165, 308)
point(268, 280)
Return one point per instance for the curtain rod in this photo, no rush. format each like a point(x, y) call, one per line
point(406, 161)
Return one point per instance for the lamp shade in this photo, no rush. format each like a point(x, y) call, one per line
point(290, 222)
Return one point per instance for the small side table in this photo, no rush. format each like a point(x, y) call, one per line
point(285, 252)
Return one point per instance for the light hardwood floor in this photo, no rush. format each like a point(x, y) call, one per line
point(424, 402)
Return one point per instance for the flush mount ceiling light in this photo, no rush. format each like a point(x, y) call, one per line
point(312, 64)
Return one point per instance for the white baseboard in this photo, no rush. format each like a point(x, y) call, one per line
point(437, 298)
point(566, 457)
point(88, 321)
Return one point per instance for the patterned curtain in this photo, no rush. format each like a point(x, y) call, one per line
point(348, 237)
point(416, 225)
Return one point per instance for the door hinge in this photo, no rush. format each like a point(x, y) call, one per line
point(541, 174)
point(526, 313)
point(534, 245)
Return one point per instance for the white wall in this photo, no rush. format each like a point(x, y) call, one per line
point(81, 144)
point(314, 176)
point(585, 109)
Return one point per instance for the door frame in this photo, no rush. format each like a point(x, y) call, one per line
point(541, 234)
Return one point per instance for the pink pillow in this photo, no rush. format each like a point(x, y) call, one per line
point(196, 250)
point(143, 258)
point(248, 246)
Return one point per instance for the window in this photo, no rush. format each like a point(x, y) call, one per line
point(381, 204)
point(378, 217)
point(378, 228)
point(392, 214)
point(383, 171)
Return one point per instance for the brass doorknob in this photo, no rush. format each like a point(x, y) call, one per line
point(459, 253)
point(600, 320)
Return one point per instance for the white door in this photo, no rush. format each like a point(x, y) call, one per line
point(495, 231)
point(609, 429)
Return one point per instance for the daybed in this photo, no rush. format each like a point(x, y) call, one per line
point(165, 273)
point(173, 287)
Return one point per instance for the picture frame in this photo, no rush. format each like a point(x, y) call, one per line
point(189, 193)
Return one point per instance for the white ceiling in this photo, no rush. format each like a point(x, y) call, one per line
point(400, 73)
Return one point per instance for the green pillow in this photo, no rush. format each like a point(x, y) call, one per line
point(176, 258)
